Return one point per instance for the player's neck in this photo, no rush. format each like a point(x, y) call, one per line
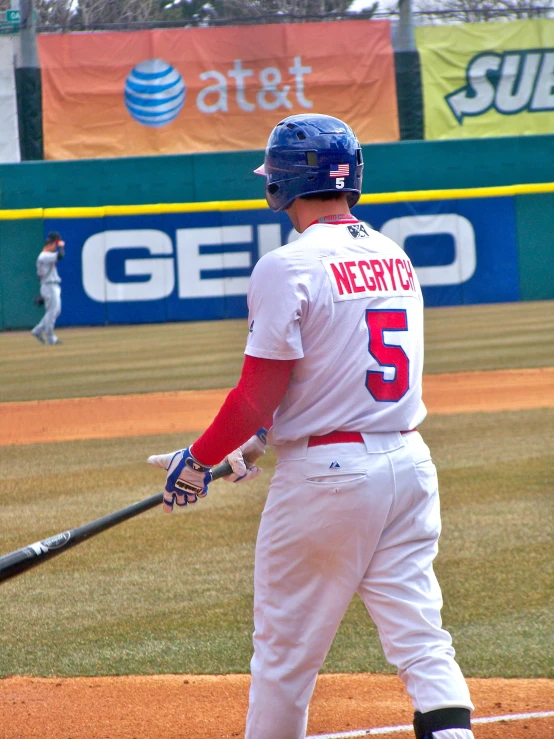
point(305, 212)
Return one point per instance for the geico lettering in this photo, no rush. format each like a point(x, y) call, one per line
point(205, 267)
point(271, 93)
point(200, 275)
point(158, 270)
point(217, 261)
point(460, 231)
point(376, 277)
point(523, 80)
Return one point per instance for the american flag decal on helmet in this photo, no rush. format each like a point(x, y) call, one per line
point(339, 170)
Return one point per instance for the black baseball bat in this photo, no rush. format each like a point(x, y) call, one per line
point(15, 563)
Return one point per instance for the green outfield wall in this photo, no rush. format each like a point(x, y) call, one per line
point(512, 227)
point(399, 166)
point(535, 239)
point(20, 243)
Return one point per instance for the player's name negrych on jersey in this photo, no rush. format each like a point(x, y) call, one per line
point(363, 278)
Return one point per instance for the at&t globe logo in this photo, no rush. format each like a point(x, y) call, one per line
point(154, 93)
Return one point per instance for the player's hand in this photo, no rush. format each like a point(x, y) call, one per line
point(186, 481)
point(242, 459)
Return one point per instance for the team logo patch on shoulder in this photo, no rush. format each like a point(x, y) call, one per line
point(357, 231)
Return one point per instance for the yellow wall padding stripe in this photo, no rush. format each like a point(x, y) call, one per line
point(460, 193)
point(226, 205)
point(12, 215)
point(152, 209)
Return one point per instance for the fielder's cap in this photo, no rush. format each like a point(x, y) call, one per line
point(54, 236)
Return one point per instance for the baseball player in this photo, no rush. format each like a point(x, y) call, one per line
point(50, 288)
point(333, 367)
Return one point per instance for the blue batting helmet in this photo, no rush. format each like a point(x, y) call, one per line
point(308, 154)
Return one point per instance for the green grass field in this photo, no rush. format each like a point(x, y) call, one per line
point(173, 594)
point(195, 356)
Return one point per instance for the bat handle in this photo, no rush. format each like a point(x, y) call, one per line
point(224, 468)
point(221, 470)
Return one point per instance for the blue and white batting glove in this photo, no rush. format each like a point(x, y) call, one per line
point(242, 459)
point(187, 479)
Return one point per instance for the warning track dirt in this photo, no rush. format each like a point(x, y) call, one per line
point(113, 416)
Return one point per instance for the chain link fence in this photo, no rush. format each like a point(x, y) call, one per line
point(74, 21)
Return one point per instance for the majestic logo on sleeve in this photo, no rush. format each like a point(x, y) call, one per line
point(357, 231)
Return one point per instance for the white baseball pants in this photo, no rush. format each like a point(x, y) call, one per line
point(52, 294)
point(369, 526)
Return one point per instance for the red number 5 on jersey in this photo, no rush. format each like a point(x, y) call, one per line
point(387, 355)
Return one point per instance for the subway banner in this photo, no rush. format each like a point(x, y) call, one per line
point(9, 131)
point(195, 264)
point(487, 79)
point(211, 89)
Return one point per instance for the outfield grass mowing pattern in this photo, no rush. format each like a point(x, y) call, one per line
point(173, 594)
point(151, 358)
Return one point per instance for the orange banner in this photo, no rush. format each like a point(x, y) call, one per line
point(211, 89)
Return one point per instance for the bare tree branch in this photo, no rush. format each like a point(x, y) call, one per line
point(91, 14)
point(475, 11)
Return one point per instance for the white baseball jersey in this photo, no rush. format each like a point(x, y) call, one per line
point(344, 301)
point(46, 267)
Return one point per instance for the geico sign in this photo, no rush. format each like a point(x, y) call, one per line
point(195, 270)
point(457, 227)
point(199, 274)
point(510, 82)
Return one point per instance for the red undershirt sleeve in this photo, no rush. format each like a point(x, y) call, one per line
point(248, 407)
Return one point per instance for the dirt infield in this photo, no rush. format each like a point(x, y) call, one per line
point(205, 707)
point(166, 413)
point(214, 707)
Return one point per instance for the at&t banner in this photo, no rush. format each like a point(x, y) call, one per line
point(211, 89)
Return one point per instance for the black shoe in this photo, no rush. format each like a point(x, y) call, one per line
point(52, 343)
point(38, 336)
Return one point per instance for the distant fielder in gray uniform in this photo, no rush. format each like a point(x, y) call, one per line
point(50, 288)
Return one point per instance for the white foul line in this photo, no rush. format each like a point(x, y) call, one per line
point(512, 717)
point(408, 727)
